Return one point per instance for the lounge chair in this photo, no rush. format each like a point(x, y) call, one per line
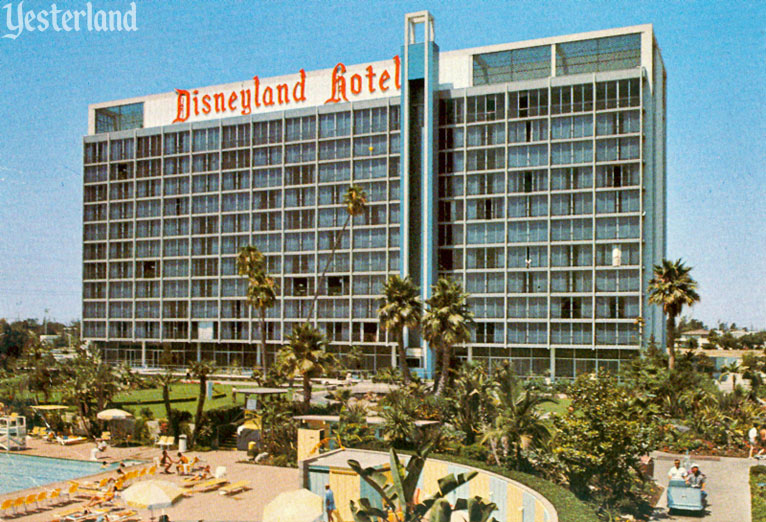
point(71, 440)
point(18, 503)
point(7, 505)
point(55, 496)
point(29, 500)
point(64, 514)
point(165, 441)
point(105, 436)
point(122, 516)
point(210, 485)
point(73, 487)
point(237, 487)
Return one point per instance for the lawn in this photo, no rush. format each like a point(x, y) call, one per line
point(559, 408)
point(183, 396)
point(758, 493)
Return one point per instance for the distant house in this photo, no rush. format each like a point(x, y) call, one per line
point(700, 335)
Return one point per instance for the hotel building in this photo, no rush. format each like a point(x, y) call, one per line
point(532, 172)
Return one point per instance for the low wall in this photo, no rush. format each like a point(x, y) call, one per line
point(515, 501)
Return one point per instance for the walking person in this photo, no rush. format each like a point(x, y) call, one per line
point(329, 503)
point(752, 437)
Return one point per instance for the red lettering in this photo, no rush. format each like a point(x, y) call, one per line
point(370, 78)
point(233, 101)
point(182, 103)
point(268, 96)
point(300, 84)
point(384, 77)
point(257, 83)
point(356, 84)
point(245, 95)
point(338, 84)
point(397, 74)
point(195, 92)
point(220, 102)
point(283, 91)
point(206, 104)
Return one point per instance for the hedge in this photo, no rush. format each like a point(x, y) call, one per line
point(758, 493)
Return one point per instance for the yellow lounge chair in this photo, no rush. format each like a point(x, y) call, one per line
point(106, 436)
point(41, 497)
point(63, 514)
point(71, 441)
point(18, 503)
point(55, 495)
point(29, 500)
point(7, 505)
point(122, 516)
point(237, 487)
point(210, 485)
point(73, 487)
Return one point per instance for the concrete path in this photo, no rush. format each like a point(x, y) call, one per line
point(727, 486)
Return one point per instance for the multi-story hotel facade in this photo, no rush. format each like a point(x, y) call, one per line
point(533, 173)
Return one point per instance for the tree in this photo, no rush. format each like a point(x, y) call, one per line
point(672, 287)
point(261, 290)
point(200, 370)
point(733, 369)
point(90, 383)
point(307, 357)
point(469, 398)
point(355, 201)
point(447, 322)
point(400, 308)
point(600, 440)
point(399, 495)
point(518, 423)
point(165, 380)
point(14, 339)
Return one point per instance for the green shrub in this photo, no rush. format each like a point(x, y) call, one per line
point(758, 493)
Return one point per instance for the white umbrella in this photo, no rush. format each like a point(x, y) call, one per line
point(294, 506)
point(113, 414)
point(152, 494)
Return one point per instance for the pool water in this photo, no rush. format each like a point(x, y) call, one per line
point(25, 471)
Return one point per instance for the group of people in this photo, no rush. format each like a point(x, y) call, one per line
point(182, 465)
point(693, 477)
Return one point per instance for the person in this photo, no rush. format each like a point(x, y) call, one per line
point(752, 437)
point(101, 446)
point(98, 499)
point(696, 479)
point(181, 462)
point(166, 461)
point(329, 503)
point(203, 474)
point(677, 472)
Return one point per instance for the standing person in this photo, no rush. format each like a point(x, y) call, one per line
point(752, 437)
point(329, 503)
point(677, 472)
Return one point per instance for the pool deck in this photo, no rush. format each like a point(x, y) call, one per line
point(266, 482)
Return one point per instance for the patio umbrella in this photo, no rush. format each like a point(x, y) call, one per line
point(152, 494)
point(294, 506)
point(113, 414)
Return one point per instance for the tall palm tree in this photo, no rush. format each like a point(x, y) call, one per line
point(447, 322)
point(355, 201)
point(262, 289)
point(200, 370)
point(307, 357)
point(400, 308)
point(518, 423)
point(672, 287)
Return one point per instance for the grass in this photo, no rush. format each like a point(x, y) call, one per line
point(758, 493)
point(183, 397)
point(559, 408)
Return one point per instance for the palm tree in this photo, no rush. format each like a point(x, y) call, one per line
point(355, 201)
point(200, 370)
point(672, 287)
point(400, 308)
point(307, 357)
point(165, 380)
point(447, 322)
point(518, 423)
point(733, 368)
point(262, 289)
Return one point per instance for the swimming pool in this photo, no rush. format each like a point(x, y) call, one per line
point(26, 471)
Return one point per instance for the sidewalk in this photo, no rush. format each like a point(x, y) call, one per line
point(727, 486)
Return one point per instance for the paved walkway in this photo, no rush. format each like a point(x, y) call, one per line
point(727, 486)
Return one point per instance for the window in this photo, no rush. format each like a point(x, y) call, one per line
point(149, 146)
point(524, 104)
point(451, 111)
point(514, 65)
point(485, 108)
point(177, 142)
point(599, 54)
point(266, 132)
point(236, 136)
point(574, 98)
point(334, 125)
point(303, 128)
point(120, 117)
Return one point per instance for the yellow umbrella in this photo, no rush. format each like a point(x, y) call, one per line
point(294, 506)
point(113, 414)
point(152, 494)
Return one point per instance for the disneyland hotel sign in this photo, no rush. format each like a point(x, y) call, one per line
point(343, 87)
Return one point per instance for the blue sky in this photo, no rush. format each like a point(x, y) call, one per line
point(715, 54)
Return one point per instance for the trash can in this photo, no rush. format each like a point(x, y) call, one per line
point(182, 443)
